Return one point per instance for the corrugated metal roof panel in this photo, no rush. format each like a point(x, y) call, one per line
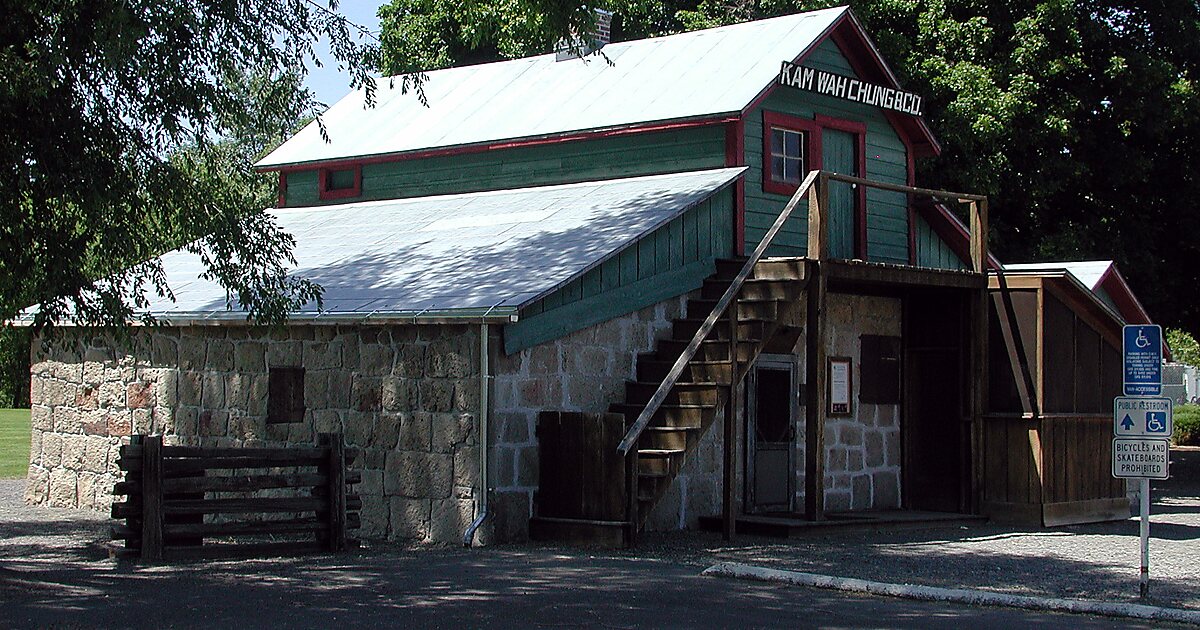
point(452, 252)
point(682, 76)
point(1089, 272)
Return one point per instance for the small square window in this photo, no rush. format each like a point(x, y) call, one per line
point(339, 183)
point(787, 155)
point(285, 395)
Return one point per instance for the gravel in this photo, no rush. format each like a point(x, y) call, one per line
point(1095, 562)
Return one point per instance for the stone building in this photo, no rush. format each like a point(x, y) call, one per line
point(548, 234)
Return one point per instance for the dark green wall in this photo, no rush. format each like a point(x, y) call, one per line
point(887, 161)
point(670, 261)
point(577, 161)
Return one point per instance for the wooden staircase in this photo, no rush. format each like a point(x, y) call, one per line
point(766, 301)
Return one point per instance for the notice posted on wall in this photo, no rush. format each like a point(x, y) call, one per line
point(839, 386)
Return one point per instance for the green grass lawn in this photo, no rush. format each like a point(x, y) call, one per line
point(14, 443)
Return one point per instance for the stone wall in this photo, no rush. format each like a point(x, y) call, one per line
point(584, 371)
point(862, 451)
point(406, 396)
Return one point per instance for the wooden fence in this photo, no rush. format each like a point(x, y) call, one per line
point(186, 501)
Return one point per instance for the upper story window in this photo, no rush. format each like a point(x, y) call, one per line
point(791, 148)
point(339, 183)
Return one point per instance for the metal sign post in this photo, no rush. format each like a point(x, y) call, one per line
point(1142, 427)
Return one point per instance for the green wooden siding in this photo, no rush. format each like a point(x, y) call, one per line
point(670, 261)
point(577, 161)
point(887, 160)
point(932, 251)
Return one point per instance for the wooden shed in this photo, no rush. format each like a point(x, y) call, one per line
point(1054, 366)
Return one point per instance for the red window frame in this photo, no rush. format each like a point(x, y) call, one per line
point(325, 193)
point(812, 131)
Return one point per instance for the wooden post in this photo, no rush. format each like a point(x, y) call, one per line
point(631, 498)
point(337, 489)
point(815, 355)
point(978, 353)
point(152, 498)
point(729, 518)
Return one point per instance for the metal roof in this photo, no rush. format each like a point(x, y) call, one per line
point(465, 253)
point(689, 75)
point(1089, 272)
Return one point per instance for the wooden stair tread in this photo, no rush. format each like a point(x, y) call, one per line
point(659, 452)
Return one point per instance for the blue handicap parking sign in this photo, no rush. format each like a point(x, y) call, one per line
point(1156, 422)
point(1142, 347)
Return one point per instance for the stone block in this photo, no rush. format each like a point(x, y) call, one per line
point(366, 394)
point(359, 427)
point(373, 516)
point(449, 519)
point(214, 423)
point(35, 445)
point(63, 488)
point(451, 429)
point(854, 460)
point(585, 360)
point(250, 356)
point(374, 458)
point(527, 467)
point(835, 459)
point(213, 393)
point(850, 434)
point(189, 387)
point(326, 421)
point(891, 442)
point(339, 389)
point(860, 497)
point(166, 389)
point(874, 452)
point(886, 489)
point(321, 355)
point(37, 486)
point(95, 455)
point(219, 355)
point(399, 394)
point(466, 395)
point(301, 433)
point(436, 395)
point(414, 474)
point(259, 392)
point(513, 427)
point(445, 358)
point(143, 421)
point(120, 422)
point(73, 447)
point(410, 361)
point(164, 350)
point(86, 487)
point(466, 466)
point(502, 467)
point(584, 395)
point(40, 418)
point(139, 395)
point(287, 353)
point(887, 416)
point(51, 450)
point(94, 422)
point(544, 359)
point(387, 431)
point(409, 518)
point(837, 501)
point(415, 431)
point(375, 359)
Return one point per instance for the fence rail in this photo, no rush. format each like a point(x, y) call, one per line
point(299, 494)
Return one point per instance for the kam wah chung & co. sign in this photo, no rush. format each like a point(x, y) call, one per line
point(849, 88)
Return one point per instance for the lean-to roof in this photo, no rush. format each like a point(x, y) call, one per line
point(454, 254)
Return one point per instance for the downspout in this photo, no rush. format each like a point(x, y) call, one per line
point(481, 502)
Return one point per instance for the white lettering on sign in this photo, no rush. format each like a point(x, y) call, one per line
point(849, 88)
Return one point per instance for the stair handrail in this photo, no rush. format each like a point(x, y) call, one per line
point(664, 388)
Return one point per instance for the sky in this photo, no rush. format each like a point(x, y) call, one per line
point(327, 82)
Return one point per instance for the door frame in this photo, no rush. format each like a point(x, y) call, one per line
point(791, 363)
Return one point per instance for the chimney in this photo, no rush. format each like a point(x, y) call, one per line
point(601, 35)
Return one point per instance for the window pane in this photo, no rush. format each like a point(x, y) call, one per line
point(793, 144)
point(777, 141)
point(791, 170)
point(341, 180)
point(777, 168)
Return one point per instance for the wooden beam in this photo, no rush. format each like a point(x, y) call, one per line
point(978, 357)
point(815, 396)
point(729, 518)
point(152, 498)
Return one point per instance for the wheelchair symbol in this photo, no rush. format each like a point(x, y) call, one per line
point(1156, 422)
point(1142, 341)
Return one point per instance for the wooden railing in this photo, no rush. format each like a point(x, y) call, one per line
point(171, 510)
point(816, 187)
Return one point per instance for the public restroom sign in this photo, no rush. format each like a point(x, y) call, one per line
point(849, 88)
point(1142, 348)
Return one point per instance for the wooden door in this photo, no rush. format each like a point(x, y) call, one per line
point(838, 150)
point(771, 416)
